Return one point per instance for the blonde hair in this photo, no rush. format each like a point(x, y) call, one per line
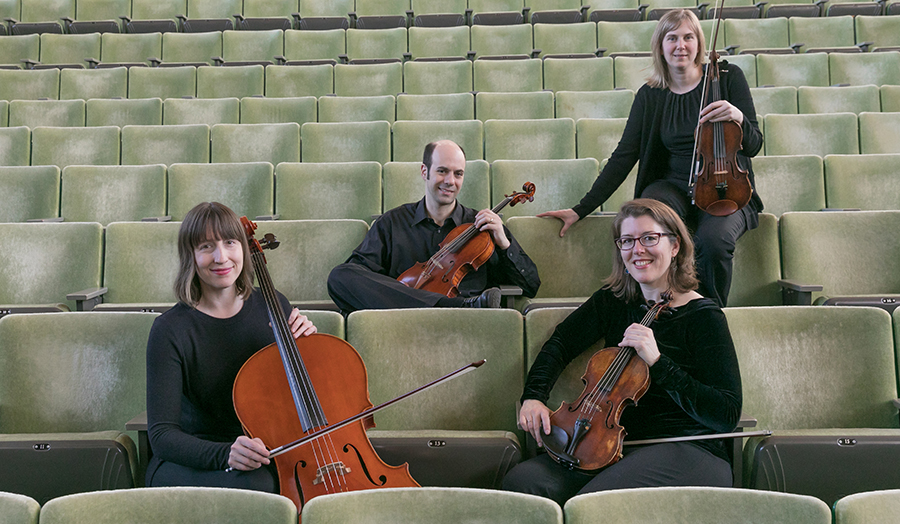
point(682, 276)
point(669, 22)
point(209, 220)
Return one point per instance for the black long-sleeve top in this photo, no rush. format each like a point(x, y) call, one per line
point(642, 141)
point(695, 386)
point(192, 361)
point(406, 235)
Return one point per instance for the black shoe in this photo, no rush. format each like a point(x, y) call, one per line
point(490, 298)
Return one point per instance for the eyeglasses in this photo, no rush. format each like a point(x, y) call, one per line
point(646, 240)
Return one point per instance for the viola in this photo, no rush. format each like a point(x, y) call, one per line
point(718, 184)
point(464, 249)
point(301, 387)
point(586, 434)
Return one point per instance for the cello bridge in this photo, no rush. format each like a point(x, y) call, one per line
point(337, 467)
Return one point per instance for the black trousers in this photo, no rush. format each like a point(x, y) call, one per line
point(670, 464)
point(714, 237)
point(353, 286)
point(171, 474)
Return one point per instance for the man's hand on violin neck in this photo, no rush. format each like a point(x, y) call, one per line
point(487, 220)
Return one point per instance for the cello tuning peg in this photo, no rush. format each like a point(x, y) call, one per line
point(269, 241)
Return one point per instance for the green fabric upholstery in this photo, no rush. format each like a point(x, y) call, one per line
point(403, 183)
point(878, 132)
point(597, 137)
point(346, 141)
point(586, 251)
point(865, 182)
point(162, 82)
point(492, 6)
point(213, 8)
point(47, 10)
point(631, 72)
point(141, 263)
point(130, 48)
point(890, 99)
point(437, 505)
point(257, 110)
point(790, 182)
point(541, 139)
point(273, 143)
point(381, 7)
point(866, 508)
point(593, 104)
point(760, 33)
point(384, 43)
point(319, 8)
point(237, 81)
point(17, 84)
point(305, 190)
point(423, 7)
point(157, 9)
point(102, 9)
point(566, 38)
point(495, 40)
point(883, 33)
point(578, 74)
point(449, 106)
point(308, 252)
point(806, 69)
point(170, 506)
point(791, 358)
point(4, 113)
point(864, 68)
point(772, 99)
point(208, 111)
point(632, 37)
point(507, 75)
point(431, 42)
point(53, 113)
point(559, 183)
point(20, 47)
point(289, 81)
point(537, 104)
point(838, 99)
point(69, 49)
point(270, 8)
point(393, 345)
point(19, 509)
point(697, 505)
point(434, 78)
point(93, 83)
point(826, 31)
point(621, 195)
point(191, 47)
point(248, 188)
point(368, 79)
point(28, 192)
point(113, 193)
point(747, 62)
point(167, 145)
point(315, 45)
point(130, 112)
point(330, 322)
point(825, 249)
point(357, 108)
point(15, 146)
point(64, 146)
point(757, 266)
point(252, 45)
point(822, 134)
point(409, 137)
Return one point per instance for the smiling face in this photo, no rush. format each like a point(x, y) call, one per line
point(649, 266)
point(680, 47)
point(218, 263)
point(444, 180)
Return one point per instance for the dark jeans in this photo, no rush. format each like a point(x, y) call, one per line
point(171, 474)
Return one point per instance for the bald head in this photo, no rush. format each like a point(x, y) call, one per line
point(445, 146)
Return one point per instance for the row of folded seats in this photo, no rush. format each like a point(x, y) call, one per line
point(588, 39)
point(89, 370)
point(450, 505)
point(430, 78)
point(403, 141)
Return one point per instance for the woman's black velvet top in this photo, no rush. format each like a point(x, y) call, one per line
point(695, 386)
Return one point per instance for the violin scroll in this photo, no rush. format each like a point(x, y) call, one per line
point(527, 193)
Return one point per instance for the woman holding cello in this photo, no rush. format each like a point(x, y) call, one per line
point(659, 135)
point(194, 353)
point(694, 380)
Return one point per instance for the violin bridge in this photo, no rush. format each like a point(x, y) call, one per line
point(338, 468)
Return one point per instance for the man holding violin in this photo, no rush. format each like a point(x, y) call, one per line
point(410, 234)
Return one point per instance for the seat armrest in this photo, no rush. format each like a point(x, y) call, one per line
point(166, 218)
point(896, 403)
point(508, 296)
point(795, 293)
point(87, 299)
point(746, 421)
point(139, 424)
point(267, 217)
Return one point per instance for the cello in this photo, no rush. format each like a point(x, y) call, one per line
point(718, 184)
point(324, 381)
point(464, 249)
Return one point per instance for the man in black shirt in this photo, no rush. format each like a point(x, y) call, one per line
point(411, 234)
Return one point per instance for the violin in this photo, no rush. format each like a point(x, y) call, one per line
point(303, 386)
point(718, 184)
point(464, 249)
point(586, 434)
